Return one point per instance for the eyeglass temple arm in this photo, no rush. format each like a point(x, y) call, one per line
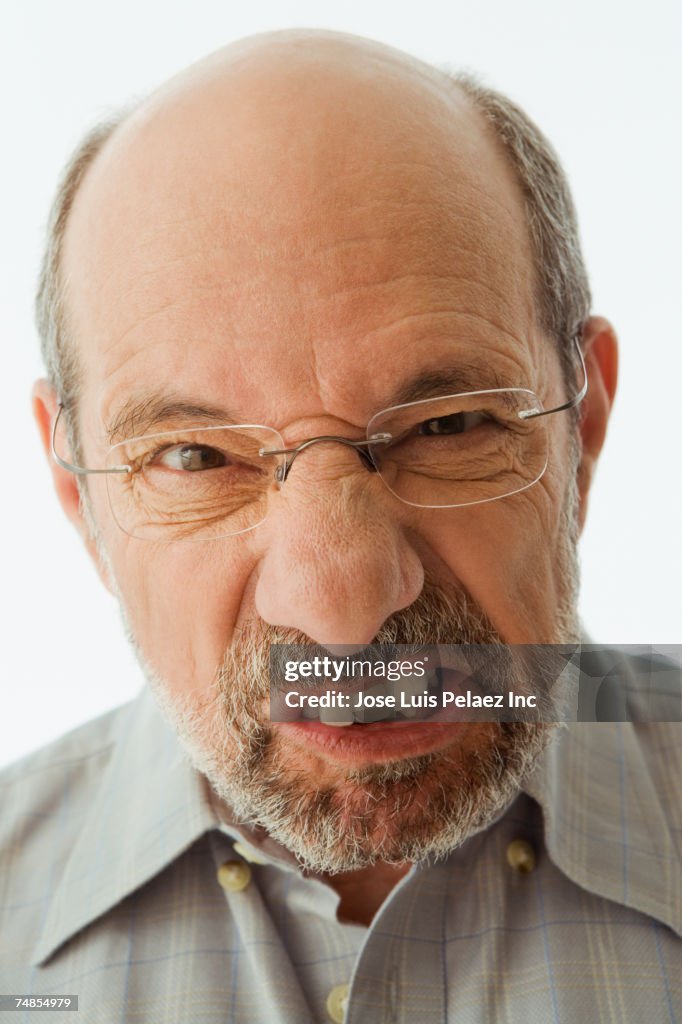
point(79, 470)
point(528, 414)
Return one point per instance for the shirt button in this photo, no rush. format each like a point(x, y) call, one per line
point(337, 1001)
point(234, 875)
point(521, 856)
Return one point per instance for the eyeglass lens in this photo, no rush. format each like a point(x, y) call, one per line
point(208, 482)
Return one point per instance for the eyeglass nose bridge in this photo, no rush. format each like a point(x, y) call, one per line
point(290, 454)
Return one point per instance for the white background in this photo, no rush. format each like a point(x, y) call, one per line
point(601, 79)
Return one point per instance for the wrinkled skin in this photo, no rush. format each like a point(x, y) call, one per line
point(291, 231)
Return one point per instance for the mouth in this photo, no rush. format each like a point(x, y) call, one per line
point(374, 733)
point(415, 698)
point(365, 701)
point(371, 743)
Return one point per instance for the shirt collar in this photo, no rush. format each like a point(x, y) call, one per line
point(149, 806)
point(609, 792)
point(609, 806)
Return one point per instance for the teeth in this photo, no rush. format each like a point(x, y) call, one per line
point(410, 687)
point(341, 717)
point(434, 681)
point(375, 714)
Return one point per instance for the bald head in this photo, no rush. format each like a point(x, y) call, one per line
point(280, 148)
point(319, 157)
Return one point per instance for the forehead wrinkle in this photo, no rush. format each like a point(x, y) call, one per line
point(467, 228)
point(444, 304)
point(474, 316)
point(138, 416)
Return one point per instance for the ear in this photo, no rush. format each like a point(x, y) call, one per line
point(45, 408)
point(600, 351)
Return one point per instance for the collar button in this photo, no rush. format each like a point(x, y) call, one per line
point(337, 1003)
point(521, 856)
point(234, 875)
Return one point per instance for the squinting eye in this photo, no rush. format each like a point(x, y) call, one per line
point(457, 423)
point(192, 457)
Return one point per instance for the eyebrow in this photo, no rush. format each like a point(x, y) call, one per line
point(450, 380)
point(139, 417)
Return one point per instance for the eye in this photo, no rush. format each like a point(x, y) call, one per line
point(192, 457)
point(457, 423)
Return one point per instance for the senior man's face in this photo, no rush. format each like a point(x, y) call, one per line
point(296, 255)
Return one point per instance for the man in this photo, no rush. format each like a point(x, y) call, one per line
point(310, 234)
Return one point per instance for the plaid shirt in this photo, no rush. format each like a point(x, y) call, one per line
point(110, 849)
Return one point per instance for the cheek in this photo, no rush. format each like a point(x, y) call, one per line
point(506, 555)
point(181, 603)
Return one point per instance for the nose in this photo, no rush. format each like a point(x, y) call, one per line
point(338, 560)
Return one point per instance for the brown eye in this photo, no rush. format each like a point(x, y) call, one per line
point(192, 457)
point(457, 423)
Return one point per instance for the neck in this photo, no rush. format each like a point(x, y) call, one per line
point(363, 892)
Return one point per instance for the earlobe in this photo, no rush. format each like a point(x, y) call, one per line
point(600, 350)
point(45, 408)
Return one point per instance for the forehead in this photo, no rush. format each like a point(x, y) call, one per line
point(288, 256)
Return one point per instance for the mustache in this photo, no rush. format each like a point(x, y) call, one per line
point(439, 615)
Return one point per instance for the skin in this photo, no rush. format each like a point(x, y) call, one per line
point(301, 286)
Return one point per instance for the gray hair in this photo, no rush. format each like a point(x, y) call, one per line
point(50, 309)
point(564, 298)
point(563, 290)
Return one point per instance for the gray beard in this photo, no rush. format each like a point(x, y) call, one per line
point(412, 809)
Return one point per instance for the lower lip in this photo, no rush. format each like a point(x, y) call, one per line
point(372, 743)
